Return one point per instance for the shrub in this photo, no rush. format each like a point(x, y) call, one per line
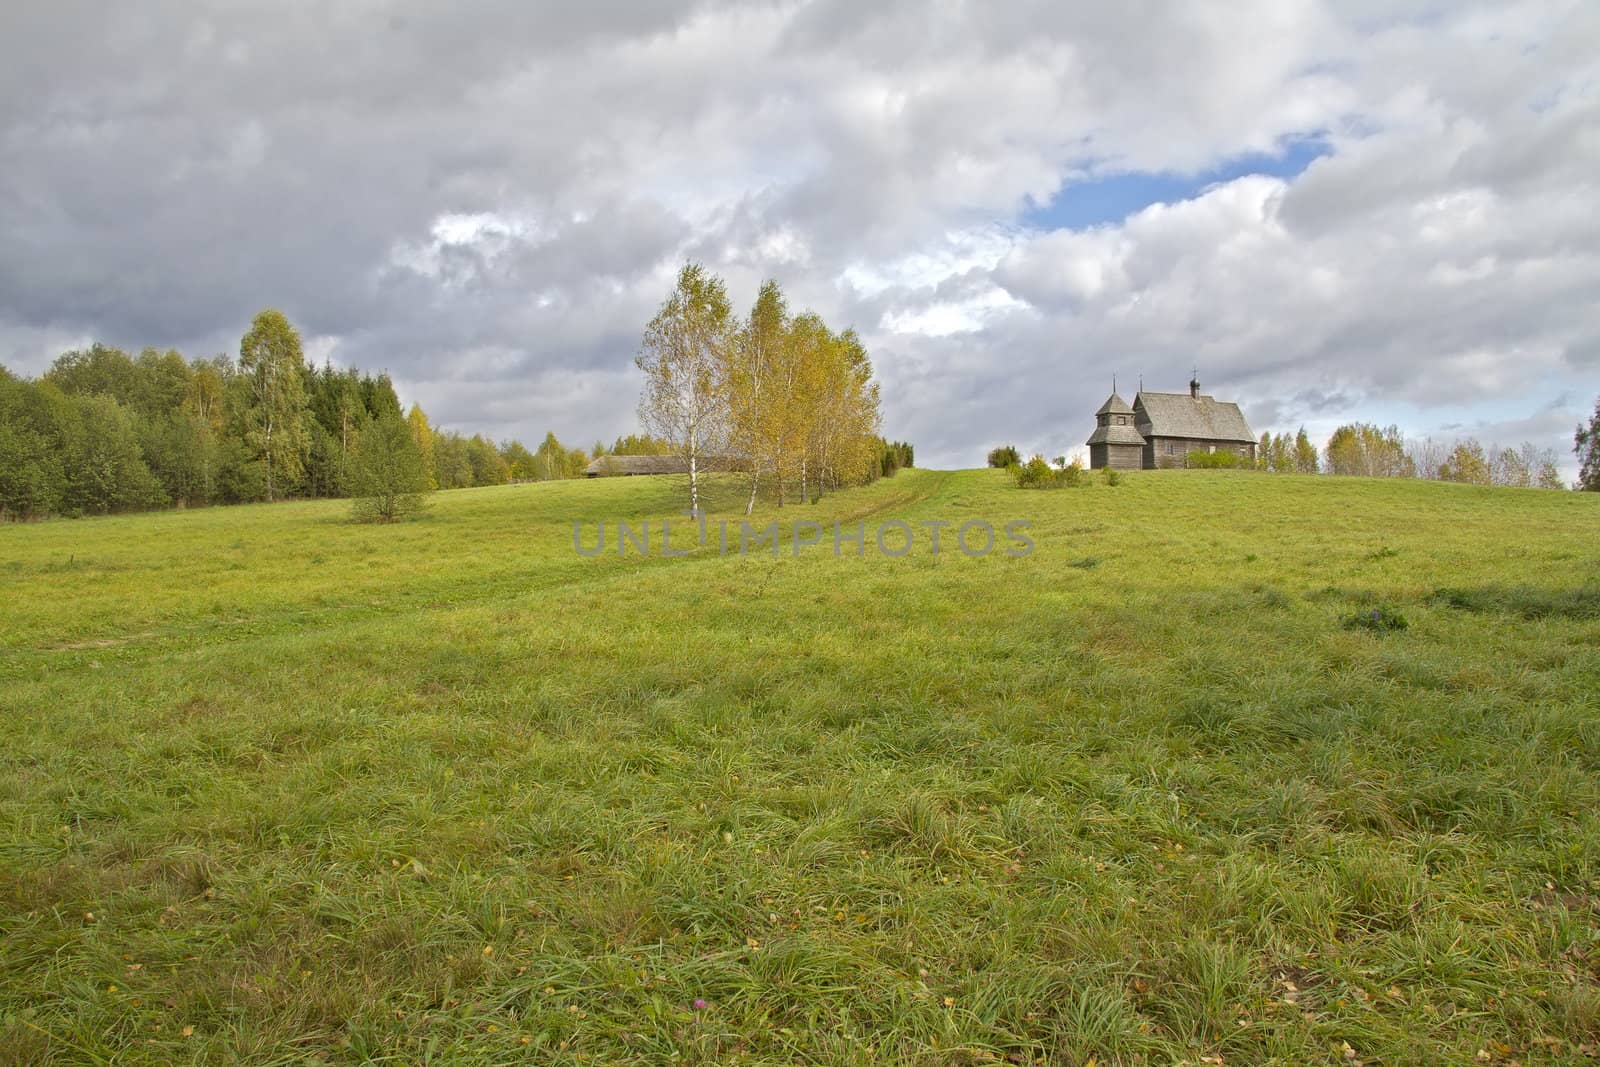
point(1110, 475)
point(387, 476)
point(1223, 460)
point(1038, 474)
point(31, 479)
point(1005, 457)
point(1035, 474)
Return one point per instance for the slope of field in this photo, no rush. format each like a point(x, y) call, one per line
point(275, 788)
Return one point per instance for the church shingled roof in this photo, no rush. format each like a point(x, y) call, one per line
point(1201, 418)
point(1114, 405)
point(1116, 435)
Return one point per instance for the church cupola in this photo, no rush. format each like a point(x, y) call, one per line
point(1116, 441)
point(1114, 412)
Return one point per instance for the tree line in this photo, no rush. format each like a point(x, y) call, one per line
point(1384, 452)
point(1373, 451)
point(777, 395)
point(1281, 454)
point(102, 431)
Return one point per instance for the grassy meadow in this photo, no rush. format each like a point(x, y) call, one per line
point(276, 788)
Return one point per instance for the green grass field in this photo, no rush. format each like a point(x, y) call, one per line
point(276, 788)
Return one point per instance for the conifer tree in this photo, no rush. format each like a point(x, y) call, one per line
point(1586, 445)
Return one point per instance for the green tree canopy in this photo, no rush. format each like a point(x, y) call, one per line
point(1586, 445)
point(387, 475)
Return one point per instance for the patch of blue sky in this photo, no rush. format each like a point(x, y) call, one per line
point(1110, 198)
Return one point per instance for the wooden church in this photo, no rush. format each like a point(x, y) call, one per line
point(1161, 429)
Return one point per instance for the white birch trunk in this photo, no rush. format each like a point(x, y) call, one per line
point(694, 481)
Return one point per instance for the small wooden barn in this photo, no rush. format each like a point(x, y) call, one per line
point(604, 466)
point(1161, 429)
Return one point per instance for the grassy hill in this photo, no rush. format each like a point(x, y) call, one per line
point(275, 788)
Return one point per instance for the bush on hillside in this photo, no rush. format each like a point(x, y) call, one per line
point(1038, 474)
point(1005, 457)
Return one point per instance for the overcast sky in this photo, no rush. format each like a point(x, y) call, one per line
point(1373, 210)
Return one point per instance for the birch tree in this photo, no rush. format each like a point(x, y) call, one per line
point(1305, 453)
point(272, 363)
point(1510, 467)
point(684, 356)
point(1466, 463)
point(1373, 451)
point(1542, 466)
point(782, 422)
point(846, 423)
point(819, 410)
point(422, 434)
point(202, 405)
point(810, 351)
point(783, 392)
point(750, 382)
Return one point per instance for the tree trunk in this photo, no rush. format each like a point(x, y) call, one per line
point(755, 477)
point(267, 398)
point(694, 484)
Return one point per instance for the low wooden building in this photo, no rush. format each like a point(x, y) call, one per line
point(1161, 429)
point(604, 466)
point(607, 466)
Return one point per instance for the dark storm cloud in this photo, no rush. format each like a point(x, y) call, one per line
point(170, 171)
